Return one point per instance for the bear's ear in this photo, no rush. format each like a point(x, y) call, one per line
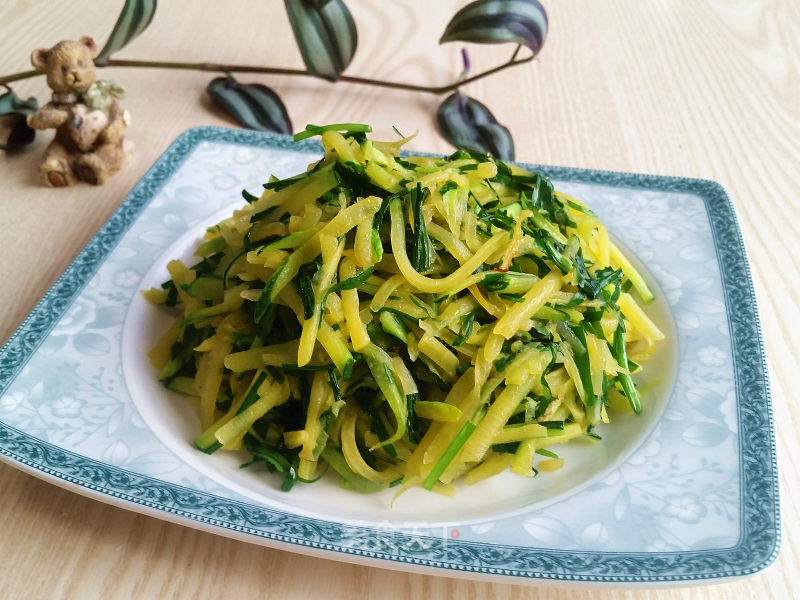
point(94, 49)
point(39, 59)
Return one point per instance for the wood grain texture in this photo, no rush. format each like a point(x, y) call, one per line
point(704, 89)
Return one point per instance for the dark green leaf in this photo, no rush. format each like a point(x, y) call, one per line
point(467, 123)
point(14, 111)
point(11, 103)
point(20, 134)
point(498, 21)
point(254, 105)
point(136, 15)
point(325, 33)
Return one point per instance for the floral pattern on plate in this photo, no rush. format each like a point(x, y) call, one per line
point(692, 501)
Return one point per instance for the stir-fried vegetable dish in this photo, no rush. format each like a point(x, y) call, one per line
point(405, 320)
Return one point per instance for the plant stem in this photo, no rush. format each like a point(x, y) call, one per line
point(18, 76)
point(220, 68)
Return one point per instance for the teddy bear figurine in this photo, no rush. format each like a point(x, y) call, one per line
point(86, 113)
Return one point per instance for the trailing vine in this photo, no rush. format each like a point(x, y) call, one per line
point(327, 39)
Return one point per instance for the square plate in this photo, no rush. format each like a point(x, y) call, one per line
point(691, 493)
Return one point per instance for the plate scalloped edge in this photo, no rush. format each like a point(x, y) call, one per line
point(756, 549)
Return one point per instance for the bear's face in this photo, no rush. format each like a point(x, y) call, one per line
point(69, 65)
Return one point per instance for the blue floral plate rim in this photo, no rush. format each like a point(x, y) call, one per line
point(760, 515)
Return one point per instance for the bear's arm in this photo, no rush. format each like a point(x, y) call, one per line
point(48, 117)
point(116, 123)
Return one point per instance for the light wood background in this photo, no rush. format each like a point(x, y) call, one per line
point(705, 89)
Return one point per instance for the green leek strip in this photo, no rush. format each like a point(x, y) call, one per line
point(547, 453)
point(355, 327)
point(205, 288)
point(377, 246)
point(392, 325)
point(284, 274)
point(468, 324)
point(515, 283)
point(543, 222)
point(448, 455)
point(258, 356)
point(343, 222)
point(621, 356)
point(299, 194)
point(261, 215)
point(549, 313)
point(305, 288)
point(380, 366)
point(228, 268)
point(232, 300)
point(575, 336)
point(182, 353)
point(420, 243)
point(292, 240)
point(351, 283)
point(331, 255)
point(312, 130)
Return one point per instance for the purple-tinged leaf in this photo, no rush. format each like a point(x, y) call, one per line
point(134, 18)
point(325, 33)
point(497, 21)
point(467, 123)
point(254, 105)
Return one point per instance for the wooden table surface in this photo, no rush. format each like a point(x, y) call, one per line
point(706, 89)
